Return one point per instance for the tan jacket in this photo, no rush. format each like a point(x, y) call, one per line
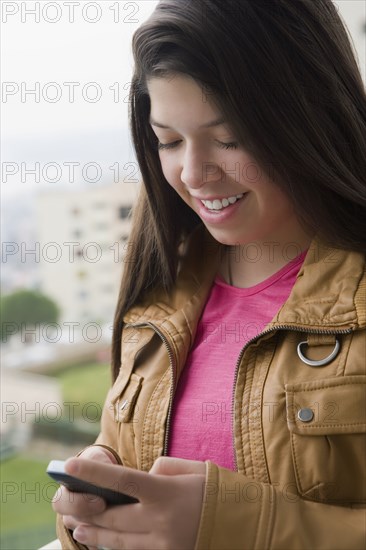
point(299, 430)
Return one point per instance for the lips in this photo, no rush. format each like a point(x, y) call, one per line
point(218, 216)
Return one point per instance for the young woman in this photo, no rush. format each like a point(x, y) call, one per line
point(237, 410)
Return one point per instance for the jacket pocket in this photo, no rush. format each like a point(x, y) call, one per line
point(327, 423)
point(124, 404)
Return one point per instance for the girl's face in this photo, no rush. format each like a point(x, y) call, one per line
point(211, 172)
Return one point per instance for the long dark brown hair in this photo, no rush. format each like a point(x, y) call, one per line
point(284, 76)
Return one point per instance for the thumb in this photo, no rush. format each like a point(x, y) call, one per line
point(171, 466)
point(100, 454)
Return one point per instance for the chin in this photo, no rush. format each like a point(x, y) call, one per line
point(222, 238)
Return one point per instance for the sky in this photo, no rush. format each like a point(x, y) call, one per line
point(79, 52)
point(80, 71)
point(77, 56)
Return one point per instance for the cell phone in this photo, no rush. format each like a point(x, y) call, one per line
point(56, 469)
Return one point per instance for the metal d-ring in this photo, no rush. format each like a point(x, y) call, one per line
point(320, 362)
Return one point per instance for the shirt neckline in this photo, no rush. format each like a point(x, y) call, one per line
point(272, 279)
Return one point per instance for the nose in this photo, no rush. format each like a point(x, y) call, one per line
point(197, 170)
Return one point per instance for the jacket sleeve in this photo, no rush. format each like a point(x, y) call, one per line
point(64, 534)
point(240, 513)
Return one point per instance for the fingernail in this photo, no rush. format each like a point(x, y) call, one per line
point(79, 534)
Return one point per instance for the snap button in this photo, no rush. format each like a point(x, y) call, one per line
point(305, 415)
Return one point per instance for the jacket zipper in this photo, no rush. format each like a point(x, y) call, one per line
point(173, 370)
point(251, 341)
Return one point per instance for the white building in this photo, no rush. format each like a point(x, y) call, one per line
point(82, 244)
point(353, 13)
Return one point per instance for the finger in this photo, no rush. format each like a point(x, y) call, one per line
point(129, 518)
point(95, 536)
point(67, 502)
point(98, 453)
point(169, 466)
point(70, 522)
point(135, 483)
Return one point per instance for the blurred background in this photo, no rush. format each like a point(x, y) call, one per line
point(69, 179)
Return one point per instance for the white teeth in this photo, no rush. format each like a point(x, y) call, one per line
point(218, 204)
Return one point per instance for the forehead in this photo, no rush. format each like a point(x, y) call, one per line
point(180, 98)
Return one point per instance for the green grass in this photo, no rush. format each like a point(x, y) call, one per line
point(27, 520)
point(25, 504)
point(26, 493)
point(85, 385)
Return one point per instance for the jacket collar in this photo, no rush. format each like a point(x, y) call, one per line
point(329, 293)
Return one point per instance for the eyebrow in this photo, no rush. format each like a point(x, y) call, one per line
point(211, 124)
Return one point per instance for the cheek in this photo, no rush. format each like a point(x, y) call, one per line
point(278, 207)
point(271, 194)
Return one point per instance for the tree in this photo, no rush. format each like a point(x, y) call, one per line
point(25, 307)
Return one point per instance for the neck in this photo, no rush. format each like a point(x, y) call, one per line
point(246, 265)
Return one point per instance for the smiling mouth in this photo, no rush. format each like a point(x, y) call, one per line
point(220, 204)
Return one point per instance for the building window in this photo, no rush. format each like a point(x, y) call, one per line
point(123, 212)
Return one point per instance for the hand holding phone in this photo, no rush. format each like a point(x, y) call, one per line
point(56, 469)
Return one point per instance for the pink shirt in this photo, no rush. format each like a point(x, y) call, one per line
point(201, 424)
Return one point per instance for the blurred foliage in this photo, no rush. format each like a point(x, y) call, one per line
point(26, 307)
